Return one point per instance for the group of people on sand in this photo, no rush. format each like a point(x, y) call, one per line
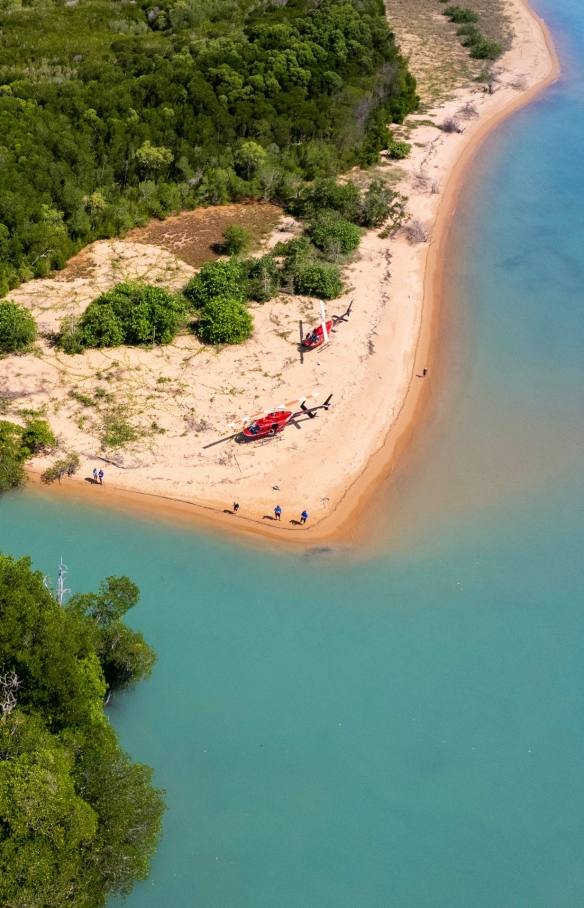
point(277, 512)
point(98, 477)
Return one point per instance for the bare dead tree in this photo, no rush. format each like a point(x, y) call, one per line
point(468, 111)
point(420, 179)
point(417, 232)
point(9, 684)
point(519, 83)
point(435, 187)
point(451, 125)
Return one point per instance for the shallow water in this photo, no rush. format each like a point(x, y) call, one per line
point(405, 730)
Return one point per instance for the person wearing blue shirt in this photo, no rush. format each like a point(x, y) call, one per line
point(304, 517)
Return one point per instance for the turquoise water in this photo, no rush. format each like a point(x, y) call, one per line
point(405, 730)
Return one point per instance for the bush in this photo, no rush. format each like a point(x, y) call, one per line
point(295, 252)
point(460, 14)
point(70, 339)
point(100, 326)
point(18, 444)
point(327, 194)
point(333, 234)
point(237, 239)
point(322, 281)
point(37, 438)
point(470, 35)
point(68, 466)
point(216, 279)
point(262, 278)
point(12, 472)
point(376, 204)
point(18, 328)
point(481, 48)
point(130, 313)
point(486, 50)
point(225, 321)
point(398, 150)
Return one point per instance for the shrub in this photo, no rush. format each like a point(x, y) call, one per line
point(470, 35)
point(68, 466)
point(237, 239)
point(130, 313)
point(216, 279)
point(460, 14)
point(481, 48)
point(322, 281)
point(486, 50)
point(18, 444)
point(12, 472)
point(100, 326)
point(398, 150)
point(18, 328)
point(225, 321)
point(262, 278)
point(155, 315)
point(376, 204)
point(295, 252)
point(70, 338)
point(36, 438)
point(330, 195)
point(333, 234)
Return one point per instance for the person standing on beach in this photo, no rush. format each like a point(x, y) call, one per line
point(235, 507)
point(304, 517)
point(100, 474)
point(95, 475)
point(278, 512)
point(424, 373)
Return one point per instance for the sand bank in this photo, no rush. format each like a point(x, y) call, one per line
point(185, 466)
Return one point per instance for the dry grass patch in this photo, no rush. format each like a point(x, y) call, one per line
point(437, 58)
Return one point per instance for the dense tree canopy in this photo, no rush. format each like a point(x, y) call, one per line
point(79, 821)
point(110, 114)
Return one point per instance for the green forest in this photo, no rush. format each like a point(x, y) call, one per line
point(112, 113)
point(79, 821)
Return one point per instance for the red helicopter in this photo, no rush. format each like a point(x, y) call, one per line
point(320, 336)
point(268, 424)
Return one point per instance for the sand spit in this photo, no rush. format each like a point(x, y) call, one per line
point(181, 398)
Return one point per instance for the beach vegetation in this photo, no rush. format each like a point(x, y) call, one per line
point(323, 281)
point(380, 205)
point(333, 234)
point(66, 466)
point(461, 14)
point(216, 279)
point(237, 240)
point(481, 48)
point(18, 329)
point(130, 313)
point(80, 820)
point(19, 444)
point(485, 49)
point(225, 320)
point(262, 278)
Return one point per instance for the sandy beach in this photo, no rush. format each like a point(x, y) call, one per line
point(186, 466)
